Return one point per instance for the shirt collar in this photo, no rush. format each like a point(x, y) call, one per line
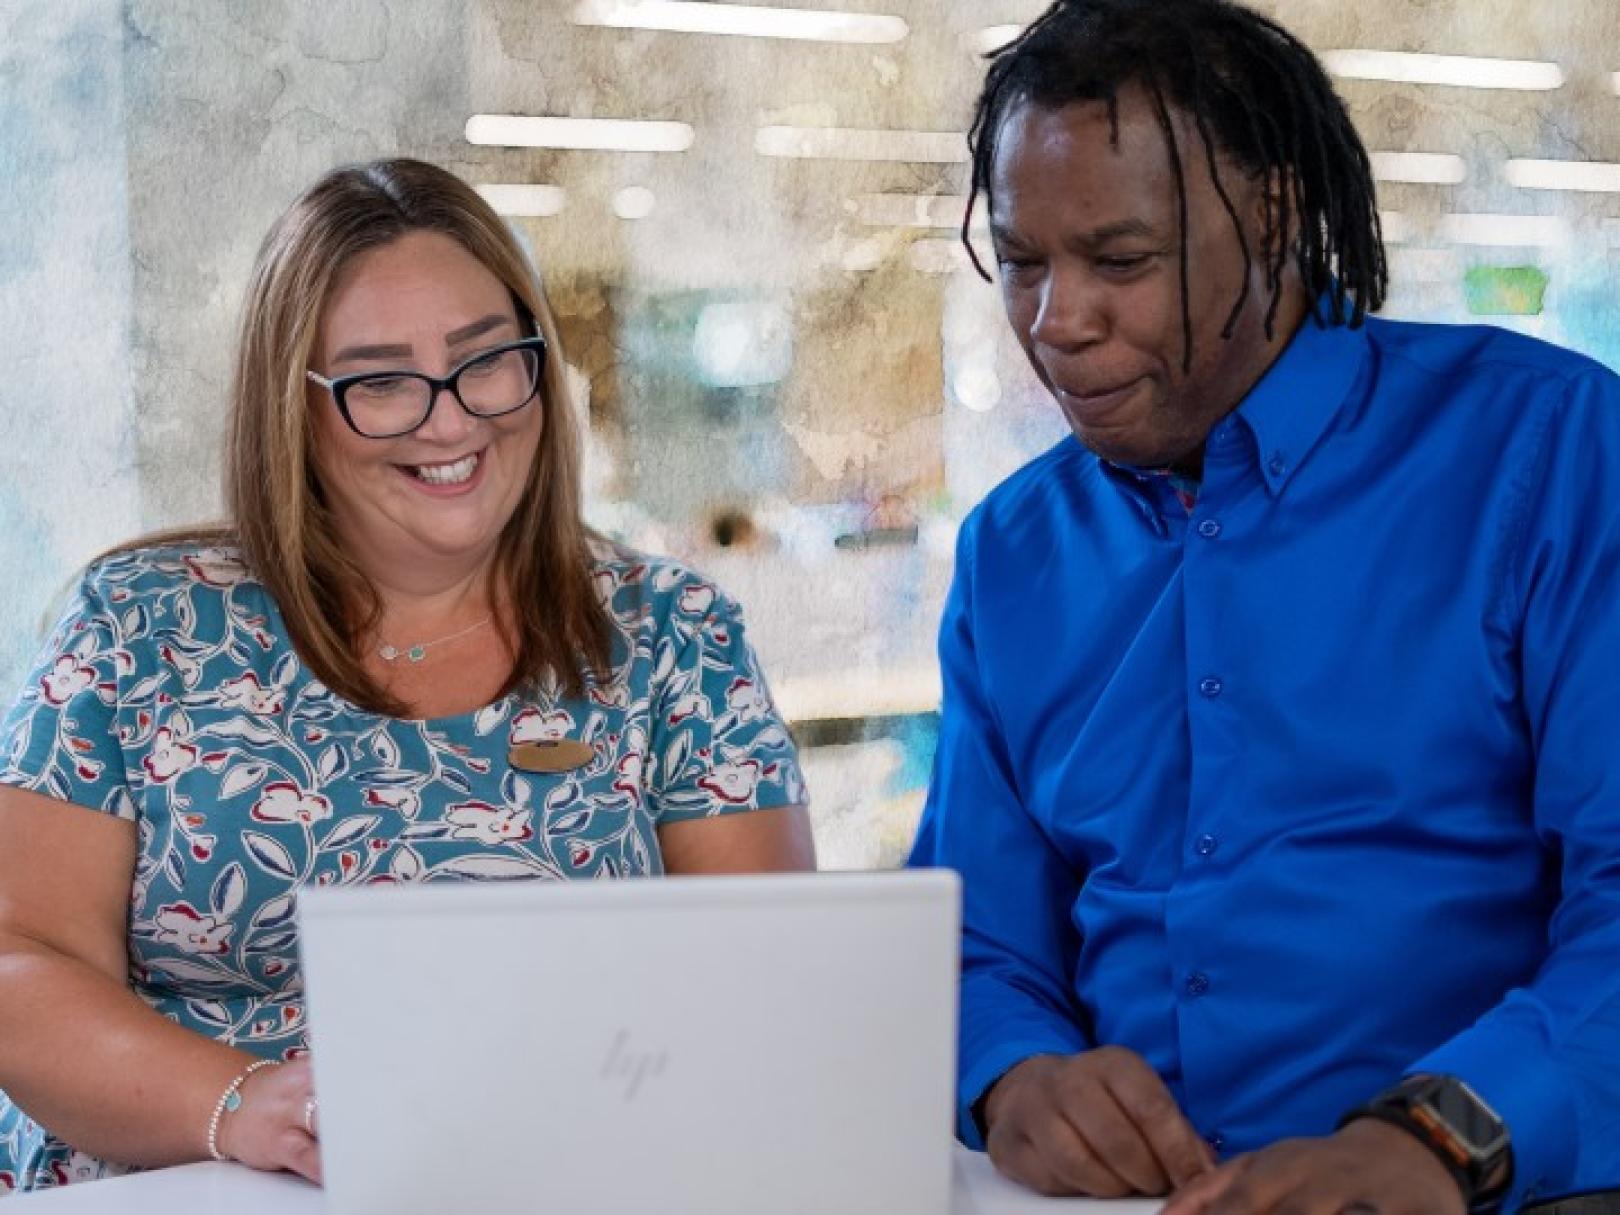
point(1289, 410)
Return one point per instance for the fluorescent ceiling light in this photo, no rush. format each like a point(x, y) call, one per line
point(839, 143)
point(1404, 67)
point(588, 134)
point(913, 210)
point(1422, 168)
point(1587, 175)
point(525, 201)
point(1539, 231)
point(749, 21)
point(993, 37)
point(634, 202)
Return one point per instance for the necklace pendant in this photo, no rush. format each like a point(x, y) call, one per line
point(416, 653)
point(387, 653)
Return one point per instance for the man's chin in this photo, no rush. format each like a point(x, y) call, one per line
point(1118, 449)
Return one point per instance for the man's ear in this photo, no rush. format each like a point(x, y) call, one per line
point(1267, 233)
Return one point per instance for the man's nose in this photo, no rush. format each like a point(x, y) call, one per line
point(1072, 313)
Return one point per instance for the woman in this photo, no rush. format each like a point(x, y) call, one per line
point(406, 659)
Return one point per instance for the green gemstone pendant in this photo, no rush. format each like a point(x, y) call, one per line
point(233, 1102)
point(416, 653)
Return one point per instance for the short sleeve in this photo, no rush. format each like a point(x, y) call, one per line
point(61, 735)
point(718, 744)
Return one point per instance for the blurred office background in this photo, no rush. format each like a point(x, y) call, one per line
point(745, 218)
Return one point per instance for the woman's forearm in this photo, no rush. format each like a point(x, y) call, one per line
point(84, 1057)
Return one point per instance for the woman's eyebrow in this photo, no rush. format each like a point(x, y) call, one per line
point(494, 321)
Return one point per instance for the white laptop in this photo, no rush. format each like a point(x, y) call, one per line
point(781, 1045)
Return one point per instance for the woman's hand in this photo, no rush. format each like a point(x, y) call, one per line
point(267, 1131)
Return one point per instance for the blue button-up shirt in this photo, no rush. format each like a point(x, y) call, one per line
point(1317, 784)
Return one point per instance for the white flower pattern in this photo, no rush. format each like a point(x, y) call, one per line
point(170, 695)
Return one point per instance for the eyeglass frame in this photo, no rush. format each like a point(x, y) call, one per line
point(339, 386)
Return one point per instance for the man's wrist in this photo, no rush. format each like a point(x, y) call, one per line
point(1455, 1125)
point(983, 1110)
point(1374, 1117)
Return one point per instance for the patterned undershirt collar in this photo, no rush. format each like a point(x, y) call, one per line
point(1186, 487)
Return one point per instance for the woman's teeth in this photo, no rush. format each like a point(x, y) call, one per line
point(447, 474)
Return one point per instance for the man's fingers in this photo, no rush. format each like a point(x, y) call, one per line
point(1275, 1180)
point(1067, 1164)
point(1178, 1149)
point(1114, 1137)
point(1195, 1197)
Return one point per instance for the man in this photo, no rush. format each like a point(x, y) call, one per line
point(1281, 737)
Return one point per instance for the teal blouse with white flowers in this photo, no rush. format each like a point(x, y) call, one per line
point(171, 696)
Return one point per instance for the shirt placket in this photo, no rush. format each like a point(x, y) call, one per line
point(1213, 691)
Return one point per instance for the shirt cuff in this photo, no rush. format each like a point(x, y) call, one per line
point(1527, 1090)
point(990, 1067)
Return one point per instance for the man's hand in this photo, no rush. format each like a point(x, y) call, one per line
point(1100, 1123)
point(1369, 1166)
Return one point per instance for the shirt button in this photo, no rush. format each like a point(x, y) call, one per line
point(1206, 845)
point(1210, 687)
point(1209, 529)
point(1215, 1140)
point(1278, 464)
point(1197, 983)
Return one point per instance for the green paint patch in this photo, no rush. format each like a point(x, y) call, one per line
point(1505, 290)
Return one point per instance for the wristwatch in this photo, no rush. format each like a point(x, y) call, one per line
point(1453, 1122)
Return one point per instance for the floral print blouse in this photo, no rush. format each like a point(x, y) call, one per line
point(170, 696)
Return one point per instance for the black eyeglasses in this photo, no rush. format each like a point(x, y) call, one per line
point(387, 404)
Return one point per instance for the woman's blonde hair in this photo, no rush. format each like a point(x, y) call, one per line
point(560, 630)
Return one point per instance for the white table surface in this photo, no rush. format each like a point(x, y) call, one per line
point(231, 1189)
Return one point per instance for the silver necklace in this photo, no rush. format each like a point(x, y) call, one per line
point(419, 651)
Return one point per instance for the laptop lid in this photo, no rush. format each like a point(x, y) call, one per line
point(773, 1045)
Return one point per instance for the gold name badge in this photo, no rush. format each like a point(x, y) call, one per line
point(563, 755)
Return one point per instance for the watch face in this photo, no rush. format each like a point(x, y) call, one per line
point(1469, 1119)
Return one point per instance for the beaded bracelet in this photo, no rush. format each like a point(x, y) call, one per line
point(229, 1101)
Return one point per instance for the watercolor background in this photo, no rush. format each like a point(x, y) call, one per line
point(786, 363)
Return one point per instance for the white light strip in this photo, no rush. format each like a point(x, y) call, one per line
point(525, 201)
point(1421, 168)
point(1590, 176)
point(1539, 231)
point(1397, 228)
point(993, 37)
point(587, 134)
point(748, 21)
point(1614, 82)
point(839, 143)
point(1403, 67)
point(913, 210)
point(858, 692)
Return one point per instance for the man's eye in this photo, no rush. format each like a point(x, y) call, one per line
point(1124, 261)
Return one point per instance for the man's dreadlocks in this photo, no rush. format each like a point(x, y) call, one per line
point(1254, 92)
